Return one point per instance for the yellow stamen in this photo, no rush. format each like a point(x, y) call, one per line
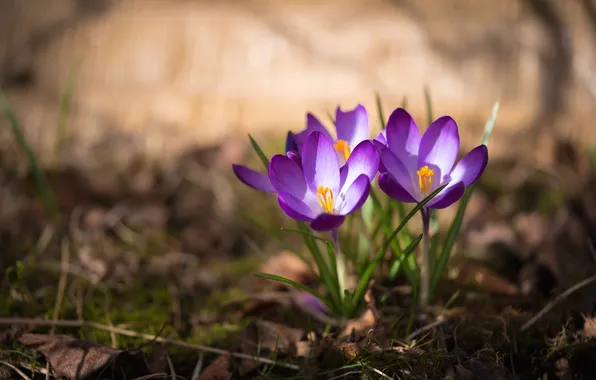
point(325, 196)
point(343, 147)
point(425, 179)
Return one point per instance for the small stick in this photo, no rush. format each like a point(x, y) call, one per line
point(556, 300)
point(21, 373)
point(440, 320)
point(134, 334)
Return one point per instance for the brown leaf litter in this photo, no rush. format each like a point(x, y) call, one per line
point(81, 359)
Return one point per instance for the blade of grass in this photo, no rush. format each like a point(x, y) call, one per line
point(324, 271)
point(294, 284)
point(47, 194)
point(399, 259)
point(380, 110)
point(429, 105)
point(65, 101)
point(364, 280)
point(298, 231)
point(259, 152)
point(457, 221)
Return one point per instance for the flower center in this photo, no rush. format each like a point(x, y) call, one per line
point(343, 147)
point(325, 197)
point(425, 179)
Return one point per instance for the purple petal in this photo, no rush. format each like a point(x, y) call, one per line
point(439, 147)
point(381, 138)
point(393, 189)
point(291, 142)
point(294, 207)
point(403, 138)
point(363, 160)
point(352, 126)
point(448, 196)
point(312, 124)
point(320, 163)
point(295, 156)
point(307, 300)
point(286, 176)
point(471, 166)
point(253, 178)
point(356, 195)
point(327, 222)
point(398, 171)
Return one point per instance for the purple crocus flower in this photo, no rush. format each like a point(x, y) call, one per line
point(416, 166)
point(351, 129)
point(318, 191)
point(260, 181)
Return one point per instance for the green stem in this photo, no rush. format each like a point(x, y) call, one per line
point(425, 276)
point(341, 263)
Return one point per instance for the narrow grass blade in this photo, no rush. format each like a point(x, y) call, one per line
point(259, 151)
point(380, 110)
point(364, 280)
point(330, 117)
point(332, 260)
point(429, 105)
point(65, 101)
point(294, 284)
point(404, 102)
point(459, 217)
point(47, 194)
point(396, 265)
point(303, 233)
point(490, 124)
point(324, 271)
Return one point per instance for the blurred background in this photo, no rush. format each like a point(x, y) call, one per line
point(155, 78)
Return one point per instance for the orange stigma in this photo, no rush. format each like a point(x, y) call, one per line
point(425, 179)
point(343, 147)
point(325, 197)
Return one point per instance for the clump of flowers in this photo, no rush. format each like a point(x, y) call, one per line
point(321, 180)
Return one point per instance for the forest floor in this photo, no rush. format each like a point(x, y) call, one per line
point(153, 277)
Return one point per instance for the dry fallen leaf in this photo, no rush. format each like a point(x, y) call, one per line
point(272, 336)
point(218, 370)
point(589, 327)
point(484, 278)
point(286, 264)
point(80, 359)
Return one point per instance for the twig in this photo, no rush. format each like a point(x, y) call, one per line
point(21, 373)
point(61, 282)
point(378, 372)
point(134, 334)
point(65, 248)
point(171, 367)
point(440, 320)
point(558, 299)
point(198, 367)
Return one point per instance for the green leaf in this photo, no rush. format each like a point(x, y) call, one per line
point(259, 151)
point(380, 110)
point(367, 213)
point(65, 101)
point(404, 102)
point(490, 124)
point(324, 271)
point(364, 280)
point(459, 216)
point(294, 284)
point(396, 264)
point(429, 105)
point(304, 233)
point(47, 194)
point(14, 274)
